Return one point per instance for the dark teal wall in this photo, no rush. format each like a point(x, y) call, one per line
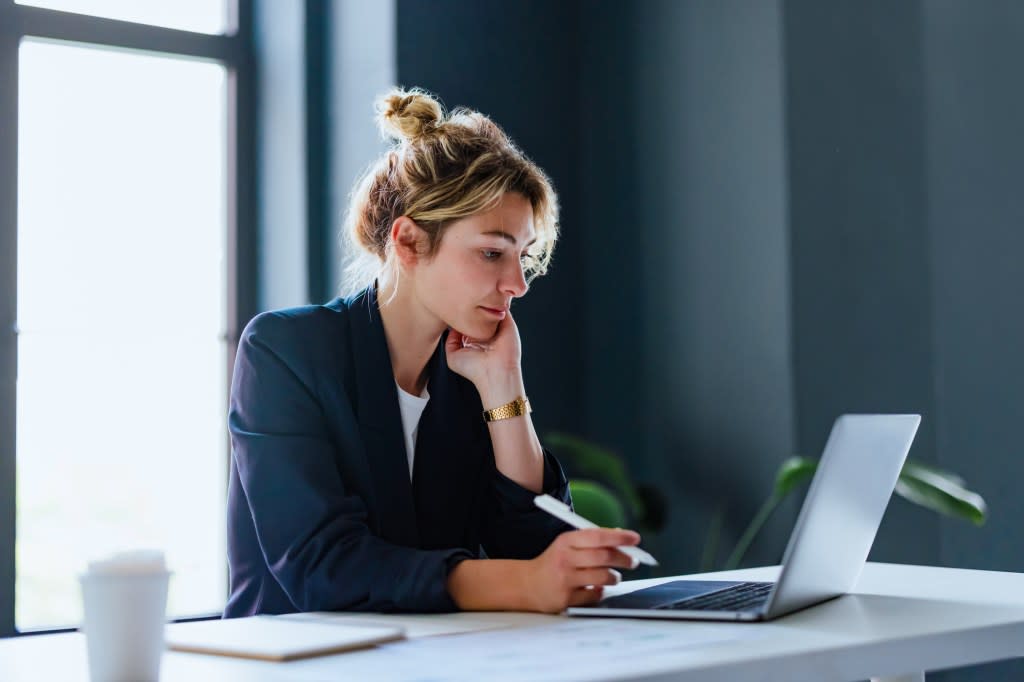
point(975, 178)
point(711, 205)
point(975, 104)
point(612, 236)
point(859, 233)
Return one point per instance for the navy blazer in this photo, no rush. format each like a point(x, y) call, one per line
point(322, 515)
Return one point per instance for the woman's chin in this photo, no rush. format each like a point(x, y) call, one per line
point(477, 331)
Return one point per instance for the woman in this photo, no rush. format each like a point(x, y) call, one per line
point(384, 458)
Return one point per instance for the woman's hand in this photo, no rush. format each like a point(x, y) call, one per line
point(493, 365)
point(572, 571)
point(574, 568)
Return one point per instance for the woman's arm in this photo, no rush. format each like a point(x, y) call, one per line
point(570, 572)
point(513, 527)
point(495, 370)
point(517, 450)
point(309, 527)
point(575, 564)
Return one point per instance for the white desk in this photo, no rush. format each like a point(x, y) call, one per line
point(900, 621)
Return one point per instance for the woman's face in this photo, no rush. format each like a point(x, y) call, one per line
point(477, 270)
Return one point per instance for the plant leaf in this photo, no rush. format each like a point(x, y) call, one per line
point(792, 473)
point(593, 501)
point(928, 486)
point(743, 544)
point(948, 475)
point(936, 490)
point(596, 462)
point(710, 550)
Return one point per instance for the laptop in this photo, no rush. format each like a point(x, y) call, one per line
point(829, 545)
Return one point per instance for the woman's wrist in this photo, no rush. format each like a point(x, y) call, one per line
point(501, 390)
point(490, 585)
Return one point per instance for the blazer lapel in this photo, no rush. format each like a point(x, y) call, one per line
point(449, 454)
point(380, 422)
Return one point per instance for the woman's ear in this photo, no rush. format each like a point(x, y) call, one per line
point(406, 237)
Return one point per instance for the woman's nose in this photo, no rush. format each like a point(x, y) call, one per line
point(515, 283)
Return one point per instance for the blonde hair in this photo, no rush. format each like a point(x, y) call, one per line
point(440, 168)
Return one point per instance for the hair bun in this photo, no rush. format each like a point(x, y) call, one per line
point(409, 114)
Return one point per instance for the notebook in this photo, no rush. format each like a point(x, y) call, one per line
point(829, 544)
point(270, 638)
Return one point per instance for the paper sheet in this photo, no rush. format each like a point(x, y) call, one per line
point(590, 649)
point(423, 625)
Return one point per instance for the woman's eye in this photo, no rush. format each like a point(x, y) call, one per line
point(490, 255)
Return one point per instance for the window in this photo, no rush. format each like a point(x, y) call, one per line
point(127, 295)
point(202, 16)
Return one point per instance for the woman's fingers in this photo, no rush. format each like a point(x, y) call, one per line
point(603, 537)
point(579, 563)
point(595, 576)
point(454, 341)
point(602, 556)
point(584, 596)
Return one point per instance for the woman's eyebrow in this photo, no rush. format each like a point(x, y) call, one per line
point(506, 236)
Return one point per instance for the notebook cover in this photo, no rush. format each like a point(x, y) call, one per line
point(274, 639)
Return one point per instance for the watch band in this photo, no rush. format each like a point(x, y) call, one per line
point(516, 408)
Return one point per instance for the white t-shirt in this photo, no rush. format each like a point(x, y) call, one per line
point(412, 409)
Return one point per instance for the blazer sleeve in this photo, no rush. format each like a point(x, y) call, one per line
point(515, 528)
point(312, 529)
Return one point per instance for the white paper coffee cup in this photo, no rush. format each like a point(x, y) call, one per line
point(124, 602)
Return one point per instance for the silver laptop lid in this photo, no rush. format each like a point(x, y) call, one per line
point(844, 506)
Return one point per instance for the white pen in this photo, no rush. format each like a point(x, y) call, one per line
point(561, 511)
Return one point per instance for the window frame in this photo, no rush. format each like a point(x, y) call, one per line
point(233, 50)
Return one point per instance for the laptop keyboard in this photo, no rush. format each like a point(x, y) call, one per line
point(742, 597)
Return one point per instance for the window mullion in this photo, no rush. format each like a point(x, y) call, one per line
point(47, 23)
point(8, 302)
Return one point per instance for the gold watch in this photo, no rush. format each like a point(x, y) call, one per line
point(516, 408)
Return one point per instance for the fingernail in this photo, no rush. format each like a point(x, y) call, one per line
point(634, 563)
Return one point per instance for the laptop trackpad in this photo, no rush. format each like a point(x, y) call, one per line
point(667, 593)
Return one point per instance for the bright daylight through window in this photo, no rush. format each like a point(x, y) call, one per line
point(121, 384)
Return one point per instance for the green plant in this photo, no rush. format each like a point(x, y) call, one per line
point(602, 489)
point(932, 488)
point(595, 502)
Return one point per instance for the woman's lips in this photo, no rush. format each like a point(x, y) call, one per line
point(500, 314)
